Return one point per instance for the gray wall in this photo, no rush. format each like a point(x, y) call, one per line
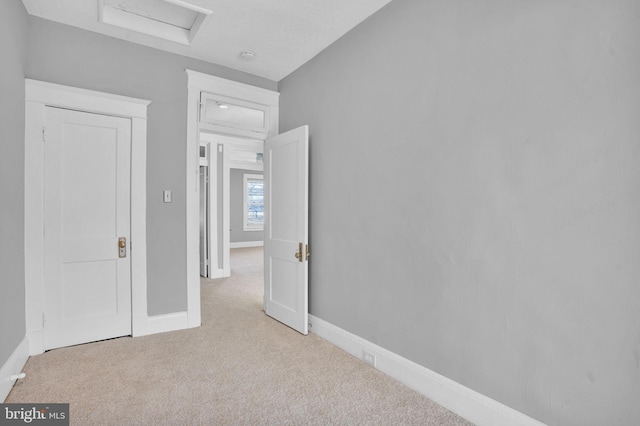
point(62, 54)
point(13, 36)
point(475, 196)
point(236, 207)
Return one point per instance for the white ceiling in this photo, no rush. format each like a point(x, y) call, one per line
point(284, 33)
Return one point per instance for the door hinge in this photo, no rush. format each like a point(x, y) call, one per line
point(43, 135)
point(43, 320)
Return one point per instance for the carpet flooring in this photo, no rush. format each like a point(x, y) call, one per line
point(239, 368)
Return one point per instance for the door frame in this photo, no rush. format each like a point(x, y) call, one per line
point(221, 149)
point(38, 96)
point(204, 162)
point(196, 84)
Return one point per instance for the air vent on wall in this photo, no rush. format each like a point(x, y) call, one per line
point(173, 20)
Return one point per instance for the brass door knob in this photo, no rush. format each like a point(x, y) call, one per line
point(122, 247)
point(299, 253)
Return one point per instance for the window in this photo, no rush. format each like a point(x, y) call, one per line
point(229, 112)
point(253, 202)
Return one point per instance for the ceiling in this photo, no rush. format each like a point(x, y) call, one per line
point(284, 34)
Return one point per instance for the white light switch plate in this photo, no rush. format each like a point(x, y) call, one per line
point(167, 195)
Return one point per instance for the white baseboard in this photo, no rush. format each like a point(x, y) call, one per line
point(168, 322)
point(142, 326)
point(246, 244)
point(473, 406)
point(216, 273)
point(35, 340)
point(13, 366)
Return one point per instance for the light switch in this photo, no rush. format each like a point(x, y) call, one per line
point(167, 195)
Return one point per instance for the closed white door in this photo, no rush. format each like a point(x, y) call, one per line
point(286, 208)
point(87, 210)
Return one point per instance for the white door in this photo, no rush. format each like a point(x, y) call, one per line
point(86, 209)
point(286, 226)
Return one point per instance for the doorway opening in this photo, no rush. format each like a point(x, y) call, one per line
point(230, 167)
point(218, 108)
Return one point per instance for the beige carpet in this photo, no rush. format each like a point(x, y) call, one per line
point(240, 367)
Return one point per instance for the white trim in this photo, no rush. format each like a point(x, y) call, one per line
point(12, 367)
point(168, 322)
point(192, 205)
point(84, 100)
point(38, 96)
point(212, 237)
point(234, 89)
point(196, 84)
point(246, 244)
point(473, 406)
point(190, 6)
point(216, 273)
point(161, 323)
point(138, 225)
point(258, 167)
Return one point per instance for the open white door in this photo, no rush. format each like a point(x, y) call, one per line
point(286, 228)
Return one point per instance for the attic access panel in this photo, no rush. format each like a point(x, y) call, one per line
point(173, 20)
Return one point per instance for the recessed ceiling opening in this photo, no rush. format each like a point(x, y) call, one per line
point(174, 20)
point(157, 10)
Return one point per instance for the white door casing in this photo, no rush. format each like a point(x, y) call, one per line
point(286, 182)
point(197, 84)
point(86, 209)
point(204, 221)
point(38, 96)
